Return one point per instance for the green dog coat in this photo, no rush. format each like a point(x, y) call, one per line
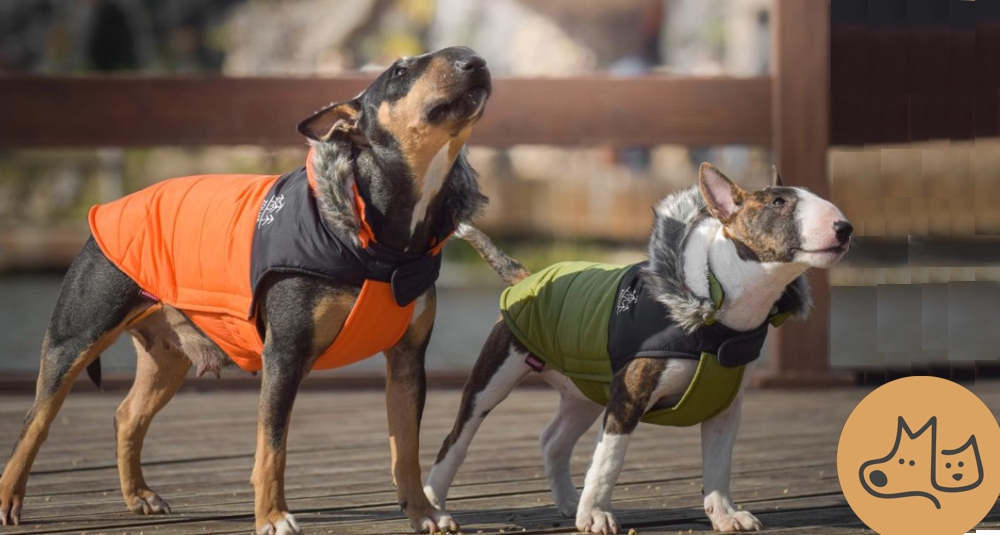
point(589, 320)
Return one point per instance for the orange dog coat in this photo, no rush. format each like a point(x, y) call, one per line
point(202, 243)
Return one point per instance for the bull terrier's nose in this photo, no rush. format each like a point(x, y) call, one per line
point(843, 230)
point(470, 63)
point(878, 477)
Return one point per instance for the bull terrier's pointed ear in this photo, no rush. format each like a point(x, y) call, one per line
point(336, 121)
point(722, 197)
point(775, 177)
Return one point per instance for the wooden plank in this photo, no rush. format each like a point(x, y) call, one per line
point(801, 93)
point(587, 110)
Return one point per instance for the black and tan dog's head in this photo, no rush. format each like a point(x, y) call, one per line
point(778, 223)
point(416, 108)
point(400, 142)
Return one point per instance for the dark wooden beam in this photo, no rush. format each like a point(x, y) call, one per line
point(800, 96)
point(594, 110)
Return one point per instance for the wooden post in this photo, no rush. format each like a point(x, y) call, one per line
point(800, 97)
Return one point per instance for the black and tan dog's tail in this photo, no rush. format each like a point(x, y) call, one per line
point(510, 270)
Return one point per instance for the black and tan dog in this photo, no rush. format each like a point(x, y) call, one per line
point(314, 269)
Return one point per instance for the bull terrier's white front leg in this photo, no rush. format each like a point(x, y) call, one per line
point(594, 513)
point(718, 434)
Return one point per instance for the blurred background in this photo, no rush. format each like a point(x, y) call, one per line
point(911, 155)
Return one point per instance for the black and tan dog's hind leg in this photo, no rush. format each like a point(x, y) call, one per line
point(405, 393)
point(94, 307)
point(160, 370)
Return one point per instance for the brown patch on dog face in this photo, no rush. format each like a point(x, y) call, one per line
point(764, 227)
point(428, 104)
point(419, 139)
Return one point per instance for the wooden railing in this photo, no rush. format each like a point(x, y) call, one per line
point(591, 110)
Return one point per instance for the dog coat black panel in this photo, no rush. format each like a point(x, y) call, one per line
point(640, 326)
point(292, 237)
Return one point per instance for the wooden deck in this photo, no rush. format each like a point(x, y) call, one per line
point(199, 454)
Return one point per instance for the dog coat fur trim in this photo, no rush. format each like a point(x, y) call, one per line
point(588, 321)
point(202, 243)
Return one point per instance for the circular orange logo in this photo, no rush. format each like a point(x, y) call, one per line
point(920, 455)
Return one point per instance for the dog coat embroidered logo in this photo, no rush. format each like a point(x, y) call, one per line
point(626, 298)
point(269, 208)
point(920, 455)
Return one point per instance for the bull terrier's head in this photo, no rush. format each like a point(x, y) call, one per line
point(778, 223)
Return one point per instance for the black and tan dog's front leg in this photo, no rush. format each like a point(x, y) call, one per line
point(632, 392)
point(291, 346)
point(405, 390)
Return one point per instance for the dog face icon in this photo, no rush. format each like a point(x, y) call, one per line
point(908, 469)
point(959, 469)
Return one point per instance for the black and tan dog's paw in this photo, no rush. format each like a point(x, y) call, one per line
point(147, 502)
point(10, 508)
point(282, 524)
point(432, 520)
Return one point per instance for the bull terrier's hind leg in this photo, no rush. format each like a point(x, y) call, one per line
point(498, 370)
point(571, 421)
point(160, 370)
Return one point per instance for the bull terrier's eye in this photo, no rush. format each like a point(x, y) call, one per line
point(398, 71)
point(778, 201)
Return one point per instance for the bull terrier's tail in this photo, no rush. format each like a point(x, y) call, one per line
point(510, 270)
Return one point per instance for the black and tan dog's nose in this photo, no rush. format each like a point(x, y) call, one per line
point(843, 230)
point(470, 62)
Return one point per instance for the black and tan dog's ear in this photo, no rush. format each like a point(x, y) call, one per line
point(722, 196)
point(338, 120)
point(775, 177)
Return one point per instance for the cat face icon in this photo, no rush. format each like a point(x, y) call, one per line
point(959, 469)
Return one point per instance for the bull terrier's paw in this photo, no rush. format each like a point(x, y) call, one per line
point(433, 521)
point(283, 524)
point(147, 502)
point(568, 504)
point(437, 499)
point(736, 521)
point(727, 519)
point(596, 520)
